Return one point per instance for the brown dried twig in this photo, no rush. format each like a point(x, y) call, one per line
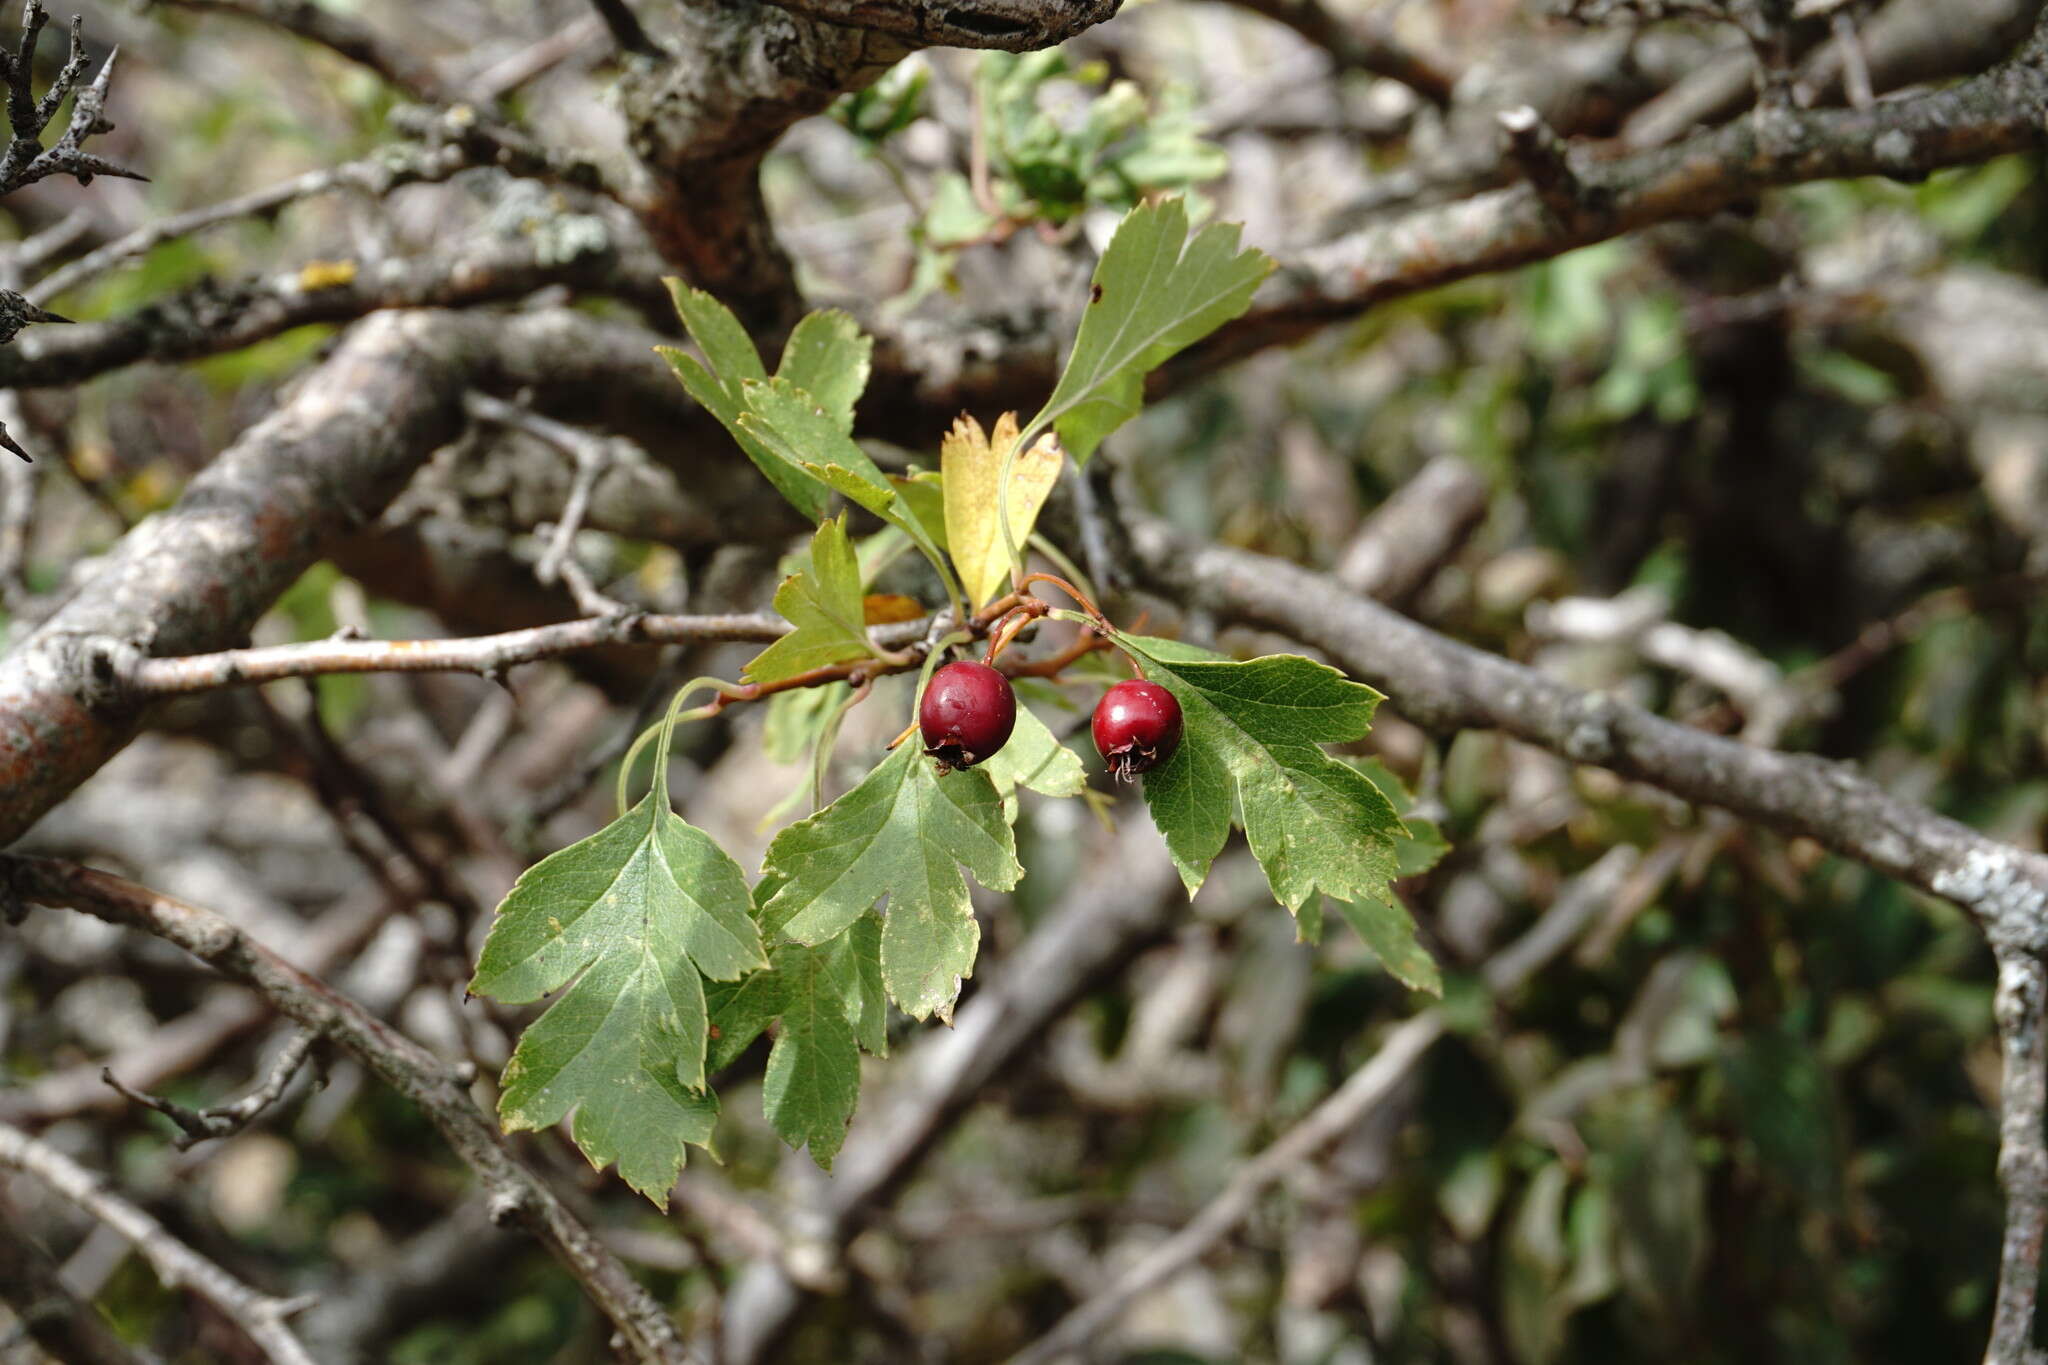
point(225, 1120)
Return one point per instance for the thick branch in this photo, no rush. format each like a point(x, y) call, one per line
point(225, 315)
point(516, 1194)
point(198, 576)
point(1363, 44)
point(1444, 685)
point(745, 72)
point(1977, 119)
point(177, 1265)
point(2022, 1010)
point(1004, 25)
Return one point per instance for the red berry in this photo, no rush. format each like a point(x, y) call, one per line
point(1137, 727)
point(967, 714)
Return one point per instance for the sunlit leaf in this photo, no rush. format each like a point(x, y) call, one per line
point(972, 463)
point(903, 832)
point(1155, 291)
point(629, 921)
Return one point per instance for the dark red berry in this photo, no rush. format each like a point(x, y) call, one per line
point(967, 714)
point(1137, 727)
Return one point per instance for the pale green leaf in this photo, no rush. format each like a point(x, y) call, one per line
point(1034, 758)
point(922, 497)
point(1389, 930)
point(827, 356)
point(718, 385)
point(1155, 292)
point(629, 921)
point(823, 603)
point(797, 426)
point(902, 833)
point(829, 1002)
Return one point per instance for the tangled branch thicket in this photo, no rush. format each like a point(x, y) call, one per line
point(1648, 401)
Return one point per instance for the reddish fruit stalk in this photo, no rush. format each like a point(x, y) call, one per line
point(1137, 727)
point(967, 714)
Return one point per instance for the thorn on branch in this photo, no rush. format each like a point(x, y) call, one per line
point(26, 160)
point(16, 313)
point(1544, 158)
point(200, 1125)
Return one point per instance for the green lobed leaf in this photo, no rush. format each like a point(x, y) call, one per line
point(629, 920)
point(718, 385)
point(1422, 845)
point(797, 426)
point(813, 1078)
point(903, 832)
point(830, 1005)
point(1250, 755)
point(1155, 291)
point(1389, 930)
point(1384, 922)
point(828, 357)
point(1034, 758)
point(823, 603)
point(852, 473)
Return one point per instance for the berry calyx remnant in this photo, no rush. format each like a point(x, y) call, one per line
point(1136, 726)
point(967, 714)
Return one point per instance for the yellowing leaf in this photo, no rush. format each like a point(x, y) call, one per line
point(972, 463)
point(317, 275)
point(887, 608)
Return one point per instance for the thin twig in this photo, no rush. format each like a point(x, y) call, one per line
point(517, 1195)
point(591, 455)
point(484, 655)
point(1363, 44)
point(1855, 64)
point(1542, 155)
point(260, 1316)
point(503, 77)
point(1576, 907)
point(373, 175)
point(225, 1120)
point(338, 31)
